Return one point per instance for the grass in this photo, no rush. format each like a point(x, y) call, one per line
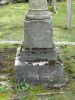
point(12, 22)
point(67, 54)
point(59, 22)
point(8, 56)
point(4, 96)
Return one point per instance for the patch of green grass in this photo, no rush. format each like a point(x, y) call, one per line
point(3, 88)
point(4, 96)
point(59, 23)
point(12, 22)
point(2, 46)
point(68, 93)
point(68, 57)
point(4, 92)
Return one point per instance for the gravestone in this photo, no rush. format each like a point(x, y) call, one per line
point(4, 2)
point(37, 60)
point(54, 4)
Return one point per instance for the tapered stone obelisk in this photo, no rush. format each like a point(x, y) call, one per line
point(37, 59)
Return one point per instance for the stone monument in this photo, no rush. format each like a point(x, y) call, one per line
point(4, 2)
point(37, 60)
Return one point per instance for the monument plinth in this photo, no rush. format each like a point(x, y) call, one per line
point(37, 58)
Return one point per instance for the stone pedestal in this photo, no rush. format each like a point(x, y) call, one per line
point(37, 60)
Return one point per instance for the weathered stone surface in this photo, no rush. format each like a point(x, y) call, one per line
point(38, 54)
point(38, 10)
point(38, 34)
point(37, 4)
point(41, 14)
point(38, 72)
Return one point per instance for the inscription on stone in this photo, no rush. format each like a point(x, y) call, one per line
point(33, 75)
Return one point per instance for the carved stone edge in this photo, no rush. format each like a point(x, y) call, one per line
point(47, 85)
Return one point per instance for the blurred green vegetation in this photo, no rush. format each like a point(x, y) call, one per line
point(12, 22)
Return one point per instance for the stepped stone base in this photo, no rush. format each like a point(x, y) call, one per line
point(48, 72)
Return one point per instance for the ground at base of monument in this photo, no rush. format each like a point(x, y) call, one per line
point(8, 54)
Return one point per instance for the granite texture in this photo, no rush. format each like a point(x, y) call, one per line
point(38, 54)
point(38, 71)
point(37, 4)
point(38, 9)
point(38, 34)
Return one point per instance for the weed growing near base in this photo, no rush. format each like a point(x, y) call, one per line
point(3, 88)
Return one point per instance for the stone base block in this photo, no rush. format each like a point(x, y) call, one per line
point(38, 54)
point(47, 72)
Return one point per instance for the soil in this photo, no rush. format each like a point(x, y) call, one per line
point(7, 58)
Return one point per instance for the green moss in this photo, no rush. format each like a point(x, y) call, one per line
point(4, 96)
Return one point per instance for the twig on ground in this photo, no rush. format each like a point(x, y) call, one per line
point(50, 93)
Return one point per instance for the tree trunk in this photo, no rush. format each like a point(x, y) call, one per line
point(69, 14)
point(54, 5)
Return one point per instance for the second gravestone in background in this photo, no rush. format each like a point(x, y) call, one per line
point(37, 59)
